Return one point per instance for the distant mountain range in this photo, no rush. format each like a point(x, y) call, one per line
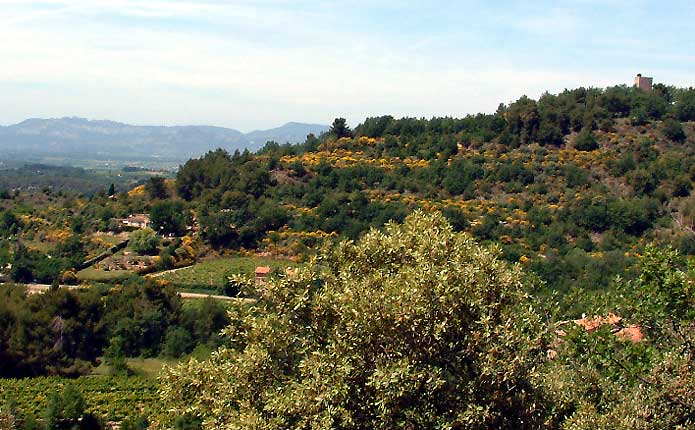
point(108, 140)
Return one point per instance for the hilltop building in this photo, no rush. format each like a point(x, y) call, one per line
point(643, 83)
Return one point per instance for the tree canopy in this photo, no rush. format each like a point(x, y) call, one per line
point(339, 128)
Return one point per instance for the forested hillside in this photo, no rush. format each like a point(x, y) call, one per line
point(573, 185)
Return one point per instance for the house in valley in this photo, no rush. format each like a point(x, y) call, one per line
point(261, 274)
point(135, 221)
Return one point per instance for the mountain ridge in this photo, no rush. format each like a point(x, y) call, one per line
point(106, 139)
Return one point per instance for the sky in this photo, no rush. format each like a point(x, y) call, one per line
point(256, 64)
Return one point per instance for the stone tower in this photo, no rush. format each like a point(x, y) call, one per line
point(643, 83)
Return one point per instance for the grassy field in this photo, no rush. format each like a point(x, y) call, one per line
point(212, 274)
point(147, 367)
point(111, 239)
point(39, 245)
point(92, 274)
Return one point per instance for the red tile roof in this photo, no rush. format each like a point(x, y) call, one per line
point(591, 324)
point(262, 270)
point(633, 333)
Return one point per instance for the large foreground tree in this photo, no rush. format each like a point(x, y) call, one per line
point(413, 327)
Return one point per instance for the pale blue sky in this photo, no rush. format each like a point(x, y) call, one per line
point(257, 64)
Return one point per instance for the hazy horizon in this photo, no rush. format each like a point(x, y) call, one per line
point(163, 125)
point(255, 65)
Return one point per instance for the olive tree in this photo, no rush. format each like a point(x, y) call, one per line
point(414, 326)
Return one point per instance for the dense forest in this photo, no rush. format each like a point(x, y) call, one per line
point(65, 332)
point(525, 219)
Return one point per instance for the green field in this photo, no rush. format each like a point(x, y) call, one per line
point(147, 367)
point(39, 245)
point(112, 398)
point(92, 274)
point(111, 239)
point(212, 274)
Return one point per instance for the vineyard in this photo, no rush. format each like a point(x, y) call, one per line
point(113, 398)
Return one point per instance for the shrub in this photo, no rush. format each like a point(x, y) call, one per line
point(69, 277)
point(7, 418)
point(177, 342)
point(586, 141)
point(602, 381)
point(139, 422)
point(673, 130)
point(65, 410)
point(115, 358)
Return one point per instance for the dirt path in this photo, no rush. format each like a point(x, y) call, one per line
point(158, 274)
point(42, 288)
point(223, 298)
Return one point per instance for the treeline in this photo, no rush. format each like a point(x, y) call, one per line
point(219, 181)
point(545, 121)
point(65, 332)
point(30, 266)
point(239, 198)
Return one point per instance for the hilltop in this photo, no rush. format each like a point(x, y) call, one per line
point(572, 185)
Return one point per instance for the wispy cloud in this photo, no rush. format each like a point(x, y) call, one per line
point(551, 22)
point(253, 64)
